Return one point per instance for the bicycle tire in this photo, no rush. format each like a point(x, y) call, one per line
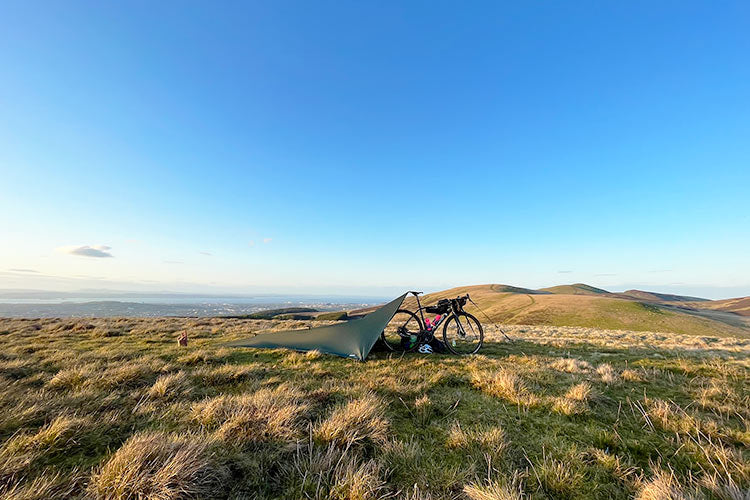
point(457, 344)
point(413, 328)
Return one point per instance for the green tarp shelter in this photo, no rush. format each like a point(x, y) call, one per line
point(352, 339)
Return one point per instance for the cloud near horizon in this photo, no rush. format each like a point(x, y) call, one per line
point(87, 251)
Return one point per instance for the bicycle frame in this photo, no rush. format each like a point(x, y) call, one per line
point(443, 317)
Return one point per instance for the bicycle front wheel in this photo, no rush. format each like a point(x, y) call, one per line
point(402, 331)
point(463, 334)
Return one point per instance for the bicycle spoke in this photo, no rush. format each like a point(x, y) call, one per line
point(463, 334)
point(401, 332)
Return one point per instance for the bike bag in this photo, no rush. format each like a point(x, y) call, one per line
point(442, 307)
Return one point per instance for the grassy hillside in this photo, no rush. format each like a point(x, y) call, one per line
point(739, 305)
point(576, 289)
point(659, 297)
point(113, 408)
point(590, 309)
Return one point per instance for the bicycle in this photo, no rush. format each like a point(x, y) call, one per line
point(462, 332)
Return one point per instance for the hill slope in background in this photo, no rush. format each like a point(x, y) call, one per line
point(659, 297)
point(575, 289)
point(740, 305)
point(588, 306)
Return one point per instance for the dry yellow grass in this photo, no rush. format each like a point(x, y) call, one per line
point(23, 450)
point(360, 420)
point(575, 401)
point(631, 376)
point(495, 490)
point(504, 384)
point(332, 473)
point(607, 373)
point(159, 466)
point(254, 417)
point(663, 486)
point(170, 386)
point(558, 478)
point(579, 392)
point(571, 365)
point(46, 487)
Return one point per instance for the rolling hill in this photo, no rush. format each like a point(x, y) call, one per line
point(587, 306)
point(659, 297)
point(739, 305)
point(575, 289)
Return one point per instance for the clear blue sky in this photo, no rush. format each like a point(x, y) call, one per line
point(336, 146)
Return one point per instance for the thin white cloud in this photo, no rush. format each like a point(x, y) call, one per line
point(173, 262)
point(267, 240)
point(23, 271)
point(87, 251)
point(251, 243)
point(207, 254)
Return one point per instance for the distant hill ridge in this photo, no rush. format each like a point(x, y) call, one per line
point(661, 297)
point(576, 289)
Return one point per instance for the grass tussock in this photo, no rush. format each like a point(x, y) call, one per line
point(504, 384)
point(170, 386)
point(575, 401)
point(314, 354)
point(496, 489)
point(160, 466)
point(74, 377)
point(16, 368)
point(487, 440)
point(423, 409)
point(579, 392)
point(333, 473)
point(360, 420)
point(23, 451)
point(571, 365)
point(607, 373)
point(47, 486)
point(226, 374)
point(266, 414)
point(629, 375)
point(558, 478)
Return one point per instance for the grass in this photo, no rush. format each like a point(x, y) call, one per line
point(558, 413)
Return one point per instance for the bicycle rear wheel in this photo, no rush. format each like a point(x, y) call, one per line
point(463, 334)
point(402, 332)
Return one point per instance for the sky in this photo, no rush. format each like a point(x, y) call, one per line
point(374, 146)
